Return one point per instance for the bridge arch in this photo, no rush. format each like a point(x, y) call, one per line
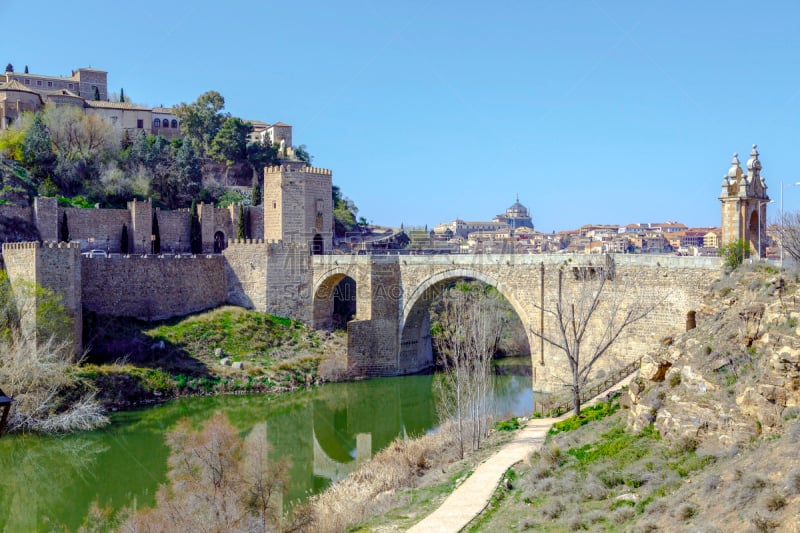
point(329, 290)
point(416, 348)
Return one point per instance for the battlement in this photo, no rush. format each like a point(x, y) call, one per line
point(37, 245)
point(277, 169)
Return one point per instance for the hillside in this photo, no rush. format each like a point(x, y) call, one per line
point(705, 439)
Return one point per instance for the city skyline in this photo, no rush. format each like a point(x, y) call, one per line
point(596, 114)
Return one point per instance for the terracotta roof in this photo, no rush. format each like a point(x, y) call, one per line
point(281, 124)
point(165, 110)
point(115, 105)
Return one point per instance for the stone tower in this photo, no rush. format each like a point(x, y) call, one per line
point(298, 205)
point(744, 204)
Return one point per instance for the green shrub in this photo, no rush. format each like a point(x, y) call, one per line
point(511, 424)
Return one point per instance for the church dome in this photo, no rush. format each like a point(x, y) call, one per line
point(517, 210)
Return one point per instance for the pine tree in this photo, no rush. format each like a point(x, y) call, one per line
point(64, 228)
point(9, 68)
point(195, 235)
point(123, 240)
point(240, 233)
point(156, 234)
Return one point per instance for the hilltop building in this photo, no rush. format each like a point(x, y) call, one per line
point(87, 89)
point(516, 216)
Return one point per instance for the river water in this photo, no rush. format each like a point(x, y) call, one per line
point(326, 431)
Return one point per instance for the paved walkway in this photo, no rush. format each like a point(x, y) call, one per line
point(472, 496)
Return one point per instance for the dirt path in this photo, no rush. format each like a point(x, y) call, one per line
point(472, 496)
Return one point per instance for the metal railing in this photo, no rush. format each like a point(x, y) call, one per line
point(594, 390)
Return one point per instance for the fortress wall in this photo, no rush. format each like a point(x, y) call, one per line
point(246, 274)
point(152, 287)
point(289, 281)
point(54, 266)
point(96, 228)
point(225, 220)
point(173, 226)
point(45, 214)
point(257, 222)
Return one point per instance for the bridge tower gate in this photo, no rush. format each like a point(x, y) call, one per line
point(744, 204)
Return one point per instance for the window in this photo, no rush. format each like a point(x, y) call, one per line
point(174, 123)
point(27, 82)
point(140, 123)
point(70, 86)
point(157, 123)
point(39, 83)
point(49, 83)
point(165, 123)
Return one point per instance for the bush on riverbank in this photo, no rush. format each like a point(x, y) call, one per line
point(37, 365)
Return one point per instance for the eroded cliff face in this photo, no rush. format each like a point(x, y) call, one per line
point(736, 375)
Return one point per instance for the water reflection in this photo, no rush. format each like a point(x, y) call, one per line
point(325, 433)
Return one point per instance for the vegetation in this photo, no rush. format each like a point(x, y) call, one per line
point(278, 354)
point(467, 330)
point(734, 253)
point(70, 153)
point(37, 363)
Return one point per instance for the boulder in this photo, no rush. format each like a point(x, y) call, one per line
point(654, 367)
point(218, 353)
point(225, 361)
point(238, 365)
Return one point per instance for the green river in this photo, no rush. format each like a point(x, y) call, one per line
point(49, 483)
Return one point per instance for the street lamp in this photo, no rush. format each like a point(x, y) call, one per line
point(795, 184)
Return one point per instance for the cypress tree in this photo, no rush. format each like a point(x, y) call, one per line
point(26, 69)
point(240, 233)
point(96, 93)
point(123, 240)
point(256, 191)
point(122, 95)
point(64, 228)
point(195, 234)
point(156, 235)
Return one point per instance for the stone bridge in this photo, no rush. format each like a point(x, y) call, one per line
point(389, 334)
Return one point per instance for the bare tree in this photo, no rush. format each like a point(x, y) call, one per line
point(466, 334)
point(789, 233)
point(36, 362)
point(589, 320)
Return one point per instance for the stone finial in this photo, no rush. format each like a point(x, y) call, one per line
point(733, 172)
point(753, 164)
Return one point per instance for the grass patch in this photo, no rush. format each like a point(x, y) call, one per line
point(512, 424)
point(596, 412)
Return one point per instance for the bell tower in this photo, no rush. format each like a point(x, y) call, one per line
point(744, 204)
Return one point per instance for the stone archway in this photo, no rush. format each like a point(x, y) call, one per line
point(334, 295)
point(753, 233)
point(416, 348)
point(219, 242)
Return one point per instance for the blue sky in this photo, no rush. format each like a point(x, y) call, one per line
point(593, 112)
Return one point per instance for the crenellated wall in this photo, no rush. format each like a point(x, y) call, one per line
point(152, 287)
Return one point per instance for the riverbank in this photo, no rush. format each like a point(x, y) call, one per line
point(228, 350)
